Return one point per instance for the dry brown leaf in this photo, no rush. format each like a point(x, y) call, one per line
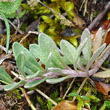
point(103, 74)
point(102, 87)
point(2, 105)
point(7, 66)
point(107, 40)
point(65, 105)
point(78, 21)
point(97, 40)
point(3, 57)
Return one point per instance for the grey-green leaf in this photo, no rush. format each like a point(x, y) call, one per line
point(18, 48)
point(79, 49)
point(57, 80)
point(28, 71)
point(55, 70)
point(4, 77)
point(38, 73)
point(55, 61)
point(68, 50)
point(50, 51)
point(78, 52)
point(47, 44)
point(34, 83)
point(87, 48)
point(36, 51)
point(20, 63)
point(94, 57)
point(14, 85)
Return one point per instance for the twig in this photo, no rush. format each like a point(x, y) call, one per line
point(28, 100)
point(85, 7)
point(18, 27)
point(24, 37)
point(7, 56)
point(61, 17)
point(29, 93)
point(69, 88)
point(30, 32)
point(4, 49)
point(96, 21)
point(13, 25)
point(80, 88)
point(17, 76)
point(44, 95)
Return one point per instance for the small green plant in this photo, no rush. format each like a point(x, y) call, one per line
point(56, 61)
point(8, 10)
point(106, 105)
point(57, 21)
point(84, 101)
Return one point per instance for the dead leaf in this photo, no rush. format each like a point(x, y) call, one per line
point(97, 40)
point(103, 74)
point(65, 21)
point(65, 105)
point(107, 40)
point(2, 105)
point(78, 21)
point(105, 24)
point(4, 57)
point(7, 66)
point(102, 87)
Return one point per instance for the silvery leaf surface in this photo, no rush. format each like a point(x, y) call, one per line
point(68, 50)
point(20, 63)
point(34, 83)
point(36, 51)
point(30, 59)
point(4, 77)
point(87, 48)
point(95, 55)
point(13, 85)
point(57, 80)
point(50, 50)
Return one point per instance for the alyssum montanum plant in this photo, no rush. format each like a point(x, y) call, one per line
point(56, 61)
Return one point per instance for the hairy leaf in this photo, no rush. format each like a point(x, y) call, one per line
point(55, 70)
point(47, 45)
point(34, 75)
point(50, 51)
point(20, 63)
point(57, 80)
point(4, 77)
point(55, 61)
point(28, 70)
point(94, 57)
point(68, 50)
point(34, 83)
point(87, 48)
point(78, 52)
point(14, 85)
point(36, 51)
point(30, 59)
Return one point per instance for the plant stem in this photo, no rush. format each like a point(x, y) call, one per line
point(44, 95)
point(80, 88)
point(28, 100)
point(69, 88)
